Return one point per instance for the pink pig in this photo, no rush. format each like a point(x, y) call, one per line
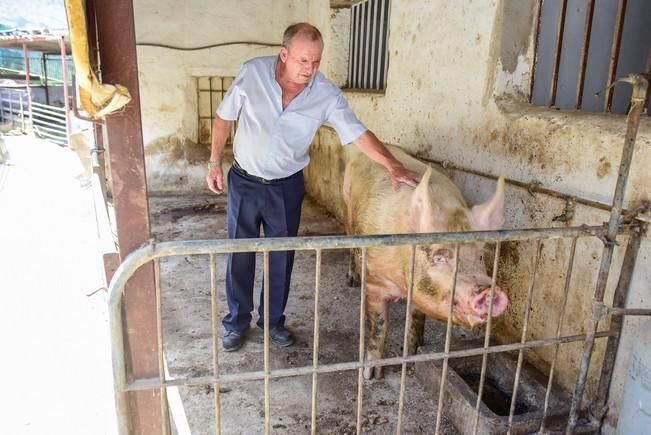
point(435, 205)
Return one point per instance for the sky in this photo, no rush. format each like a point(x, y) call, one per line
point(28, 14)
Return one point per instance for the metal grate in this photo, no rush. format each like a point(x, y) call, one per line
point(210, 92)
point(369, 52)
point(607, 234)
point(583, 46)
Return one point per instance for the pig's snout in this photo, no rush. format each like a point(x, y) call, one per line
point(481, 302)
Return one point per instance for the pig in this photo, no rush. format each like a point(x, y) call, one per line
point(372, 206)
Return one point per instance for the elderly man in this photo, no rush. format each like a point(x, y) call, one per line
point(281, 102)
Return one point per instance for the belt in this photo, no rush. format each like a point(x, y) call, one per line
point(238, 169)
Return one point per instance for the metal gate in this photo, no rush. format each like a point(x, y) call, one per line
point(618, 225)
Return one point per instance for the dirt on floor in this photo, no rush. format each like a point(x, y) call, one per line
point(188, 339)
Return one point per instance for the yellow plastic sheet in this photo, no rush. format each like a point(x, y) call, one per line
point(96, 98)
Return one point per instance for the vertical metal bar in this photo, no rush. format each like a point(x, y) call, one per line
point(561, 319)
point(640, 87)
point(118, 363)
point(212, 109)
point(525, 330)
point(587, 31)
point(351, 40)
point(116, 36)
point(619, 301)
point(448, 333)
point(614, 52)
point(315, 355)
point(22, 112)
point(215, 342)
point(386, 56)
point(362, 339)
point(536, 39)
point(405, 342)
point(557, 52)
point(267, 369)
point(648, 91)
point(373, 58)
point(28, 84)
point(357, 36)
point(360, 54)
point(47, 85)
point(66, 96)
point(198, 81)
point(382, 46)
point(2, 106)
point(487, 336)
point(367, 50)
point(164, 409)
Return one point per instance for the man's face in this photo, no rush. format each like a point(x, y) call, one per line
point(301, 59)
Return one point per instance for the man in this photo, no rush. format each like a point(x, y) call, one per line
point(281, 102)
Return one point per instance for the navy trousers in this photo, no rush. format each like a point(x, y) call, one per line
point(275, 206)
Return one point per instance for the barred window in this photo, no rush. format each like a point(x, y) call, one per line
point(211, 91)
point(369, 52)
point(582, 46)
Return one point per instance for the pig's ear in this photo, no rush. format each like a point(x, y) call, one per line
point(421, 209)
point(490, 215)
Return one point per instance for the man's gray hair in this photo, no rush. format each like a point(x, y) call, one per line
point(304, 29)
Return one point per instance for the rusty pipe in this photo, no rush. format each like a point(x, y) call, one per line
point(640, 84)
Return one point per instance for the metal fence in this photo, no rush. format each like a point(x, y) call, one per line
point(14, 107)
point(618, 224)
point(155, 251)
point(48, 122)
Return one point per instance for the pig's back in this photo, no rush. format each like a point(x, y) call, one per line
point(375, 208)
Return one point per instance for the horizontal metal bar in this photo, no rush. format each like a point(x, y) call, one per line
point(48, 123)
point(47, 106)
point(153, 383)
point(54, 115)
point(47, 128)
point(152, 250)
point(629, 311)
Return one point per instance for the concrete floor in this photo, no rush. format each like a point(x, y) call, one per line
point(55, 364)
point(188, 351)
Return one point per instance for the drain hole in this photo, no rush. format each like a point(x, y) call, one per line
point(493, 397)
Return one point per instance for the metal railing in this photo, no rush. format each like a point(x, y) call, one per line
point(48, 122)
point(14, 107)
point(618, 225)
point(155, 251)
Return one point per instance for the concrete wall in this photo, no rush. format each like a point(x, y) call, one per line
point(458, 80)
point(168, 89)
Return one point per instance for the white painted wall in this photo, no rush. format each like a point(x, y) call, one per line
point(167, 77)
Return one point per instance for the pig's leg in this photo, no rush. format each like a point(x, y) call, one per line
point(377, 316)
point(416, 331)
point(353, 269)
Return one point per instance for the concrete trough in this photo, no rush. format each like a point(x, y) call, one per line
point(460, 397)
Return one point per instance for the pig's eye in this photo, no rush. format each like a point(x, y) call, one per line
point(481, 257)
point(442, 256)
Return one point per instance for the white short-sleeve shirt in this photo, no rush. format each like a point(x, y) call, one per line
point(272, 143)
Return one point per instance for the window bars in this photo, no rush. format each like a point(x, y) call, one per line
point(369, 51)
point(581, 46)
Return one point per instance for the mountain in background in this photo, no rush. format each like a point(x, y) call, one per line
point(33, 14)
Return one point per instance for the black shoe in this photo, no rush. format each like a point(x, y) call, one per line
point(281, 336)
point(232, 341)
